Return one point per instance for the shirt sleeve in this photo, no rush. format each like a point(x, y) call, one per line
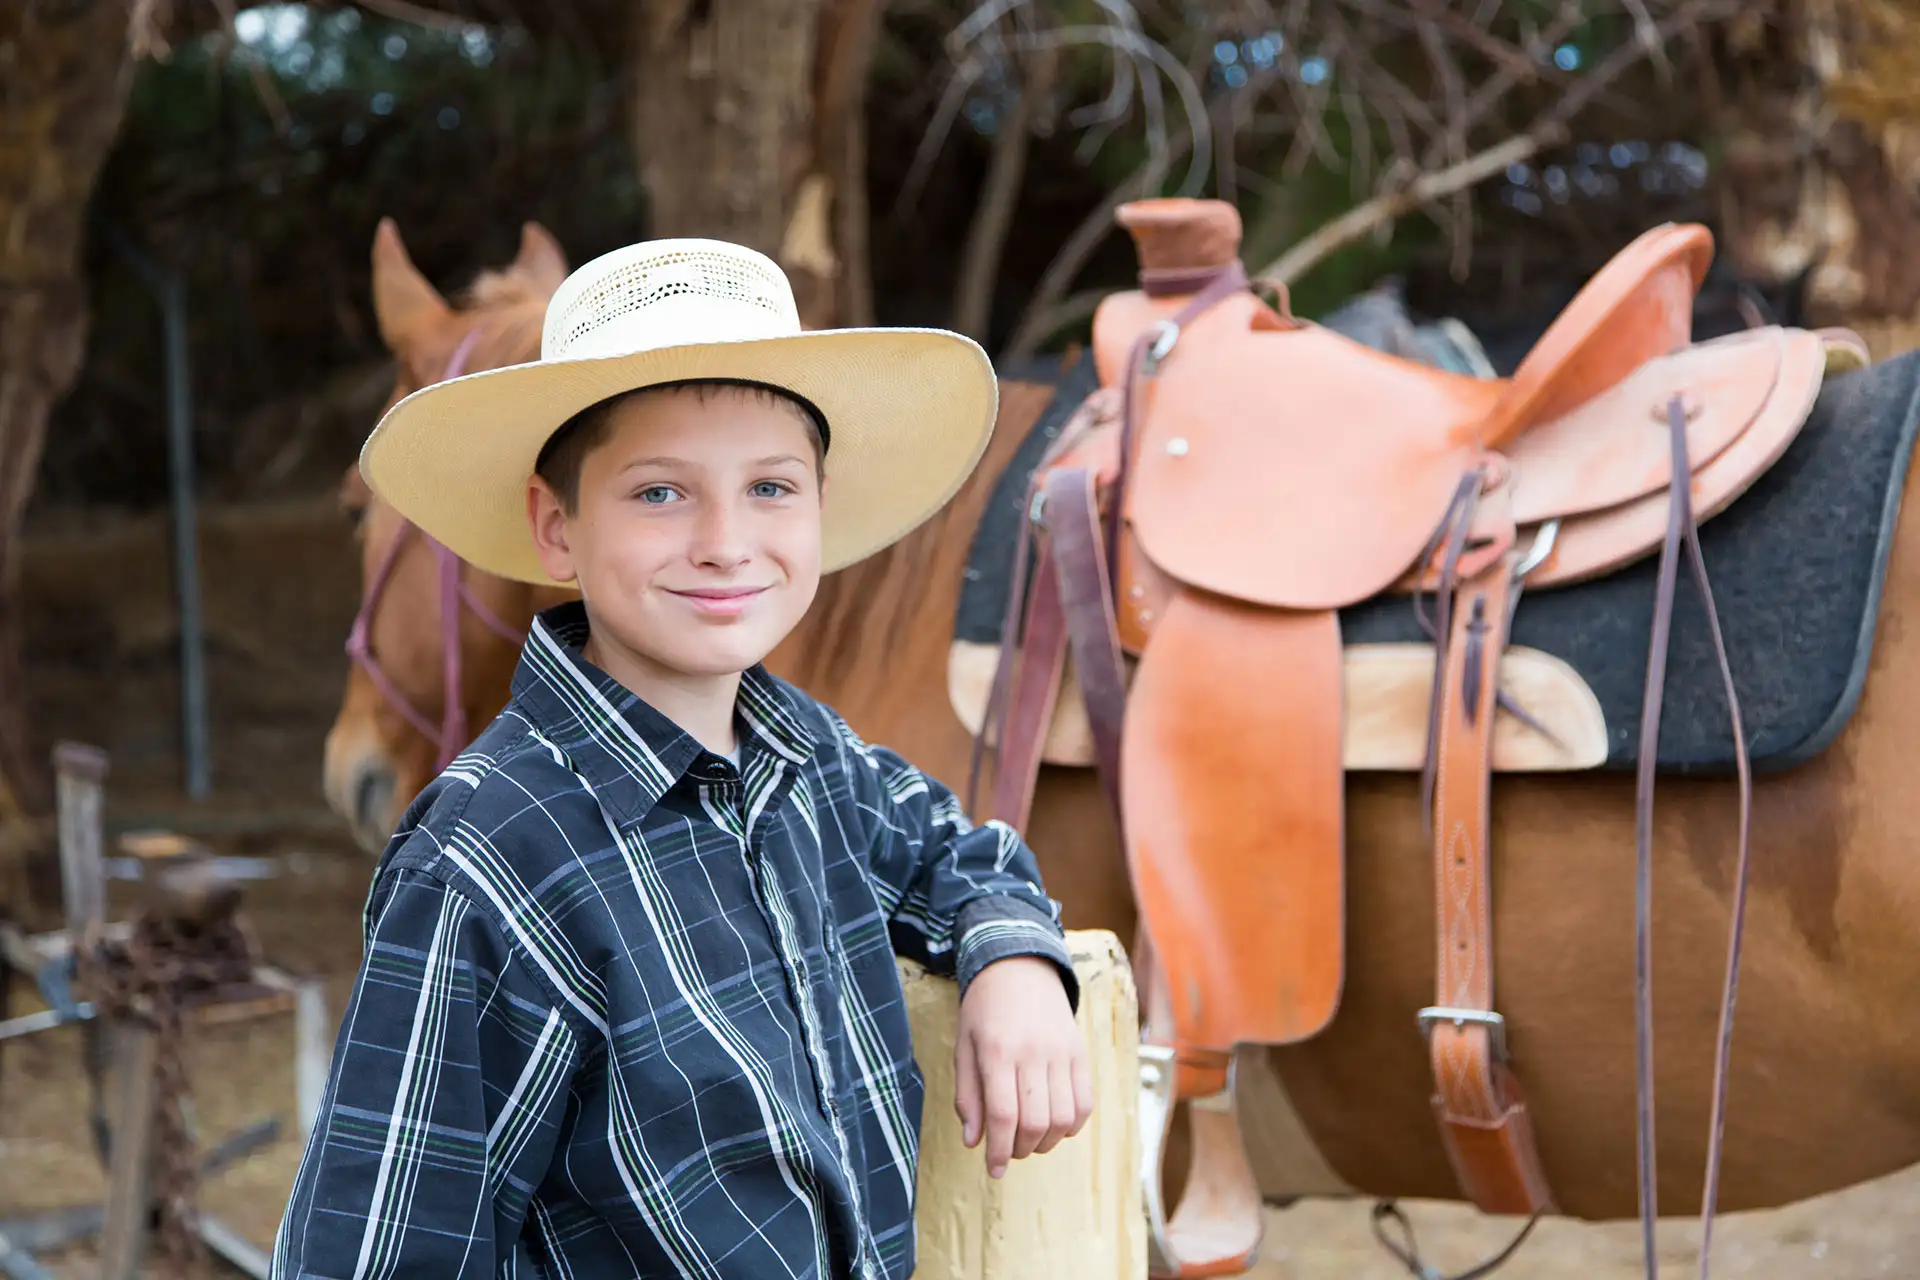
point(444, 1102)
point(962, 896)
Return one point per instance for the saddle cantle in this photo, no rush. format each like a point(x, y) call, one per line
point(1247, 475)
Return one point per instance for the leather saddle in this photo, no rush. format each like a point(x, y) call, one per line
point(1240, 476)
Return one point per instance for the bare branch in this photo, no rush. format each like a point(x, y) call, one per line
point(1548, 131)
point(935, 137)
point(1198, 122)
point(1040, 326)
point(263, 85)
point(417, 14)
point(1098, 223)
point(987, 236)
point(1380, 210)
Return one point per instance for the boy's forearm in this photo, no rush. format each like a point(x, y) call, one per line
point(1001, 926)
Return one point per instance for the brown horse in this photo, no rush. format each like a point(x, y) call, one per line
point(385, 743)
point(1825, 1085)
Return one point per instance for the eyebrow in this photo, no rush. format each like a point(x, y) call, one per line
point(668, 461)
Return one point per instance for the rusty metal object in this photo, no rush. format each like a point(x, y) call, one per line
point(188, 943)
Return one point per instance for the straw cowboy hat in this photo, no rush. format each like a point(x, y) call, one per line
point(908, 411)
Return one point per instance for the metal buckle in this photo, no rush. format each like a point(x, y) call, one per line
point(1495, 1024)
point(1165, 334)
point(1538, 552)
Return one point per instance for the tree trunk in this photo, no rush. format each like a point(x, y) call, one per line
point(64, 73)
point(1820, 187)
point(747, 121)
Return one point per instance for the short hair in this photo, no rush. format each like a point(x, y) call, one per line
point(566, 450)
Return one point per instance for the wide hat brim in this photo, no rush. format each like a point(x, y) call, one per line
point(909, 413)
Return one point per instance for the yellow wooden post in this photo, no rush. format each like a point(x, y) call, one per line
point(1072, 1214)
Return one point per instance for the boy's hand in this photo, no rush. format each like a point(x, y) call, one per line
point(1020, 1066)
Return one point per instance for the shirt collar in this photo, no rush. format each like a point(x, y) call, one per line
point(627, 751)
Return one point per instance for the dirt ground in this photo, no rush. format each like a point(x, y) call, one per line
point(280, 586)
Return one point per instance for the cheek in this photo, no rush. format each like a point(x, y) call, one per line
point(626, 548)
point(798, 546)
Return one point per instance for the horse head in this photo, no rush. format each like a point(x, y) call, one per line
point(435, 640)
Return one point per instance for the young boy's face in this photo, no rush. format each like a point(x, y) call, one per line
point(695, 540)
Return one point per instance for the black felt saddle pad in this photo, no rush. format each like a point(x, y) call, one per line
point(1796, 565)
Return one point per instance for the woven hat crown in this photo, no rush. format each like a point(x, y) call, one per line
point(665, 293)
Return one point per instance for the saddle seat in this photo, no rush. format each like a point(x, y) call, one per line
point(1223, 496)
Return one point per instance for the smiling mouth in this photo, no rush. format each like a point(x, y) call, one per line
point(720, 602)
point(720, 593)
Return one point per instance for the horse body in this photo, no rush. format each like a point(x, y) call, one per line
point(1825, 1074)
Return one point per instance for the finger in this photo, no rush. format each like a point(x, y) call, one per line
point(1062, 1121)
point(1036, 1111)
point(1000, 1091)
point(1082, 1086)
point(966, 1089)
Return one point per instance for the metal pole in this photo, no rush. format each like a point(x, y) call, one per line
point(170, 291)
point(186, 541)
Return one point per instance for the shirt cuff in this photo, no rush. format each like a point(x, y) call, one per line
point(1000, 925)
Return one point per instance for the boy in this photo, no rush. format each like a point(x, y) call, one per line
point(628, 1005)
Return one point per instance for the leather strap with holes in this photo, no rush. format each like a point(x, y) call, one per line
point(1483, 1116)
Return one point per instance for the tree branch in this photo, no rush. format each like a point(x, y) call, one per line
point(1358, 221)
point(1098, 223)
point(417, 14)
point(1435, 185)
point(987, 235)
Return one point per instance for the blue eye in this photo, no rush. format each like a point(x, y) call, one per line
point(656, 495)
point(770, 489)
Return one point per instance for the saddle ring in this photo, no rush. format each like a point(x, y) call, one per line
point(1541, 548)
point(1165, 334)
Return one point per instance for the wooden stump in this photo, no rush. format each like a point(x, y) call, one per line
point(1072, 1214)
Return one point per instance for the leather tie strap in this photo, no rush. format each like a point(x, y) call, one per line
point(1483, 1117)
point(1038, 664)
point(1071, 510)
point(1681, 528)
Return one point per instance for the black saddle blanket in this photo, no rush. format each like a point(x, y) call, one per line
point(1796, 565)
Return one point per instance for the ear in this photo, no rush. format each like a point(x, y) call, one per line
point(548, 523)
point(403, 300)
point(354, 493)
point(542, 262)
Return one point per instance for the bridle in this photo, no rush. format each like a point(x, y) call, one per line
point(450, 735)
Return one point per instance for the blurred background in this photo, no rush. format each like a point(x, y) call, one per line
point(189, 192)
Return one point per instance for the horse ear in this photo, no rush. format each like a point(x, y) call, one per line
point(542, 261)
point(354, 493)
point(403, 299)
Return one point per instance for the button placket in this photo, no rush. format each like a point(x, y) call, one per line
point(770, 892)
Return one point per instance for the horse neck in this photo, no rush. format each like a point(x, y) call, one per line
point(874, 645)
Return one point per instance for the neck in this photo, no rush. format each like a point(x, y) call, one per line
point(701, 705)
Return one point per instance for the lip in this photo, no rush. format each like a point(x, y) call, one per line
point(720, 601)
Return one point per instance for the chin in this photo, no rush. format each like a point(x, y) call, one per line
point(732, 655)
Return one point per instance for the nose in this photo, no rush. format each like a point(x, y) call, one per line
point(719, 536)
point(372, 800)
point(360, 787)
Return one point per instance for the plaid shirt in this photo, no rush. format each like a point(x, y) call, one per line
point(626, 1010)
